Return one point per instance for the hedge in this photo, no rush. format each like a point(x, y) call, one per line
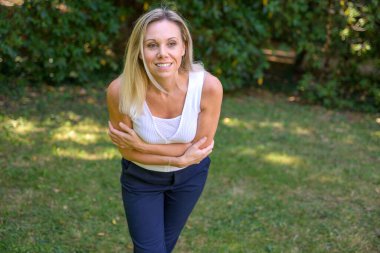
point(336, 43)
point(54, 41)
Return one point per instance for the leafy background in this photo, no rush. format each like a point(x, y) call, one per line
point(285, 176)
point(335, 44)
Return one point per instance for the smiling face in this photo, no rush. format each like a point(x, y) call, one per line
point(163, 49)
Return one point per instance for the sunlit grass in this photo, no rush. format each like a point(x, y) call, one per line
point(376, 134)
point(281, 159)
point(284, 178)
point(232, 122)
point(74, 153)
point(86, 132)
point(275, 125)
point(302, 131)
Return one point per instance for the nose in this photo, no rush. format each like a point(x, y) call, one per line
point(162, 51)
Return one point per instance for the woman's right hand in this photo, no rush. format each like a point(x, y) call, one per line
point(127, 138)
point(194, 154)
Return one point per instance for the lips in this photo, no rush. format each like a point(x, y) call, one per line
point(163, 65)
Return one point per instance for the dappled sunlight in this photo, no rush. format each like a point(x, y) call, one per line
point(235, 122)
point(276, 125)
point(84, 138)
point(71, 115)
point(282, 159)
point(301, 131)
point(324, 178)
point(103, 154)
point(18, 130)
point(248, 152)
point(376, 134)
point(232, 122)
point(86, 132)
point(22, 126)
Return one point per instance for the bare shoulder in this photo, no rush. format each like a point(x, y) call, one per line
point(113, 91)
point(212, 86)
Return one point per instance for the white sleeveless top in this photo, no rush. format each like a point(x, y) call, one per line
point(181, 129)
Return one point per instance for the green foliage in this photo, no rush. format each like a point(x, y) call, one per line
point(56, 41)
point(336, 42)
point(228, 36)
point(340, 44)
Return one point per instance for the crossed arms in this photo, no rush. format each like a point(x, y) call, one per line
point(131, 147)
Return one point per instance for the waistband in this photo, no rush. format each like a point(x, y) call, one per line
point(163, 178)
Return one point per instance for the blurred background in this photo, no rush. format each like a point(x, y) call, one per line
point(295, 166)
point(323, 52)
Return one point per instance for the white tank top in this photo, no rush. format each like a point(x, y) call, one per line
point(181, 129)
point(167, 127)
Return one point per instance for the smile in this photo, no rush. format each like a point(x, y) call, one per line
point(162, 65)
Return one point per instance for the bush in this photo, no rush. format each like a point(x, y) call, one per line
point(228, 39)
point(57, 41)
point(336, 42)
point(340, 47)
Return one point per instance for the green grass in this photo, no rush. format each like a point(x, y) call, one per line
point(284, 178)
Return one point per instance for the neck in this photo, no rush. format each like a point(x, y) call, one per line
point(171, 84)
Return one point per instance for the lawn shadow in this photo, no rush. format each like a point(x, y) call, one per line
point(275, 165)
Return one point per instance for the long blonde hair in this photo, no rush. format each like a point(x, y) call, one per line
point(136, 75)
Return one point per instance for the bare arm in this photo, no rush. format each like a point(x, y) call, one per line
point(127, 138)
point(212, 95)
point(192, 154)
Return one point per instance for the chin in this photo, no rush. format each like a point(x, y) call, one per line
point(164, 74)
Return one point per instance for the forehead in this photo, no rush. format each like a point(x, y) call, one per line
point(162, 30)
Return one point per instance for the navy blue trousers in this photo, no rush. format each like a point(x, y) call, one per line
point(158, 204)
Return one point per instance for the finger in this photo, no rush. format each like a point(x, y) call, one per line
point(110, 127)
point(208, 148)
point(113, 136)
point(120, 145)
point(126, 128)
point(200, 142)
point(115, 143)
point(116, 132)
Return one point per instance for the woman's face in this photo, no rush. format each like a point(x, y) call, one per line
point(163, 49)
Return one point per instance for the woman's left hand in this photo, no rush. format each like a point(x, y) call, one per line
point(127, 138)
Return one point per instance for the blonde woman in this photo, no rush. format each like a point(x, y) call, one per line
point(164, 111)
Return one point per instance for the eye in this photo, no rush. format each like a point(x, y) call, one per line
point(172, 44)
point(152, 45)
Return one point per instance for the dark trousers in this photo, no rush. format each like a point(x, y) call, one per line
point(157, 204)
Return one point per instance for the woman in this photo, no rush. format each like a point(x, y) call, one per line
point(164, 111)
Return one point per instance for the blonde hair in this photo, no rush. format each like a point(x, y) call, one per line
point(136, 76)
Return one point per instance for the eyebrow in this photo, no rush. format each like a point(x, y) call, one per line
point(167, 39)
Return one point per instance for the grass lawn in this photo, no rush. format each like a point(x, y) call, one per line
point(284, 178)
